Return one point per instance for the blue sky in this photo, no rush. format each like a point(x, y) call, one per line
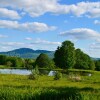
point(44, 24)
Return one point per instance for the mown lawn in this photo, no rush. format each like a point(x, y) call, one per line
point(19, 87)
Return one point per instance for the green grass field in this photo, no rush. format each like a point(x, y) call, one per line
point(19, 87)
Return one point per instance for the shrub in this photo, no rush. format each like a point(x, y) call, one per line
point(35, 74)
point(9, 63)
point(57, 76)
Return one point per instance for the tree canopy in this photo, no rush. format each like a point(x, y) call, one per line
point(43, 61)
point(83, 61)
point(64, 56)
point(3, 59)
point(97, 64)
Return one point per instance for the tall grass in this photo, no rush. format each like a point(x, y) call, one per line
point(19, 87)
point(48, 94)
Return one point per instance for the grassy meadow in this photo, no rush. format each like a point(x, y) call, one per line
point(20, 87)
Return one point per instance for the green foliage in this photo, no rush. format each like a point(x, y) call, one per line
point(3, 59)
point(35, 74)
point(97, 64)
point(57, 75)
point(18, 87)
point(43, 61)
point(29, 63)
point(83, 61)
point(15, 62)
point(27, 53)
point(9, 63)
point(91, 64)
point(64, 56)
point(67, 57)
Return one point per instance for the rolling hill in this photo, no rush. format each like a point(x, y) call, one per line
point(28, 53)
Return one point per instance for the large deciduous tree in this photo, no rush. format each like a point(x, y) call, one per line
point(43, 61)
point(3, 59)
point(64, 56)
point(97, 64)
point(83, 61)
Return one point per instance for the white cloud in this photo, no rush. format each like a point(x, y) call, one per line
point(38, 44)
point(39, 7)
point(28, 38)
point(82, 33)
point(97, 22)
point(35, 7)
point(91, 9)
point(41, 41)
point(95, 12)
point(12, 43)
point(7, 46)
point(94, 49)
point(5, 13)
point(30, 27)
point(4, 48)
point(95, 46)
point(3, 36)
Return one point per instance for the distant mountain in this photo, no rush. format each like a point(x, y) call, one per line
point(95, 58)
point(28, 53)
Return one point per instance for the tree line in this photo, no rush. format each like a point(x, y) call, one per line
point(65, 57)
point(16, 62)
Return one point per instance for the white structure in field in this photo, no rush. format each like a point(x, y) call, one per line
point(52, 73)
point(89, 74)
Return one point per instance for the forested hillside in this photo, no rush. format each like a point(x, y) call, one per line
point(27, 53)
